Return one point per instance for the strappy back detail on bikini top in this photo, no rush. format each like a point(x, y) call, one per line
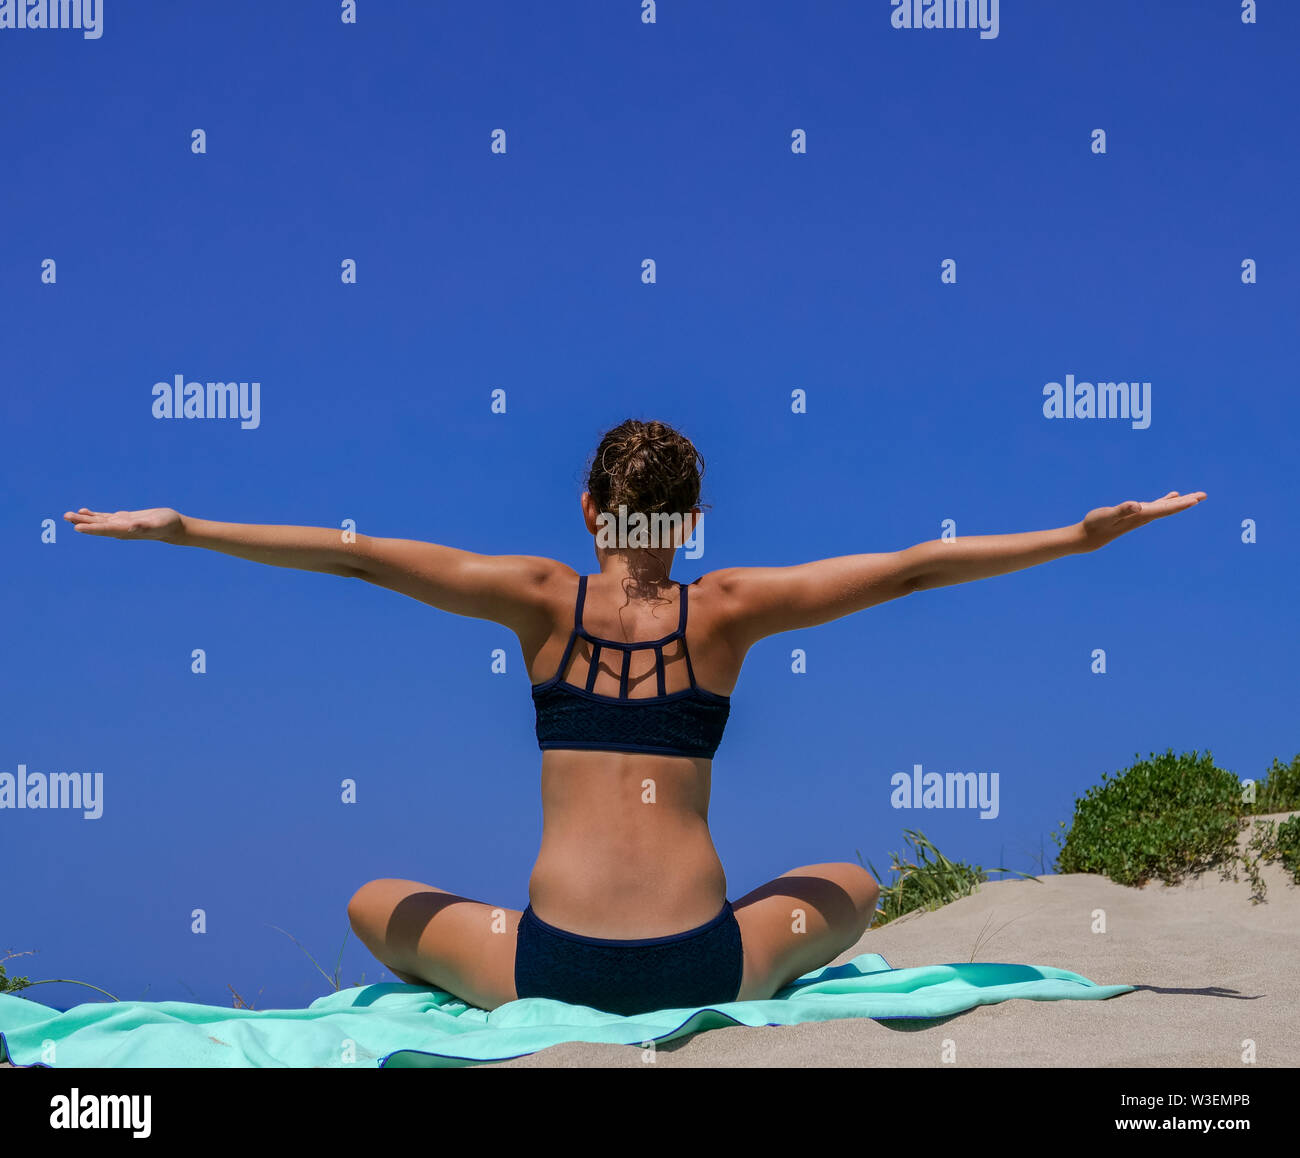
point(686, 722)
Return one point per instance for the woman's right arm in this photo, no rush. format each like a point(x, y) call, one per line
point(510, 589)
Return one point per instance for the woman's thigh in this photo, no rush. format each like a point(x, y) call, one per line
point(428, 936)
point(800, 922)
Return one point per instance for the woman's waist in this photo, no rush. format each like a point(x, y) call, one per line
point(627, 889)
point(626, 850)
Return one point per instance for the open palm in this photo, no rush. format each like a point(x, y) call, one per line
point(156, 523)
point(1107, 523)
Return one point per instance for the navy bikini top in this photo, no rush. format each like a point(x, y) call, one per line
point(688, 722)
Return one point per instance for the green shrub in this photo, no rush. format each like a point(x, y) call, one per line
point(1288, 846)
point(1163, 818)
point(1270, 841)
point(1279, 790)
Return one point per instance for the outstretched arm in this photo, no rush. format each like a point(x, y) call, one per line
point(764, 601)
point(508, 589)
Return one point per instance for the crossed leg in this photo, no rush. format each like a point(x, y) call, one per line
point(801, 921)
point(427, 936)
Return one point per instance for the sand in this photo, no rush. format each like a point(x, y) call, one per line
point(1212, 970)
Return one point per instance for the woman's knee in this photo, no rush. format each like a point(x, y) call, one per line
point(862, 890)
point(844, 894)
point(370, 906)
point(868, 894)
point(359, 909)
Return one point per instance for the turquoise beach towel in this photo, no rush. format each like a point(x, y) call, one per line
point(413, 1025)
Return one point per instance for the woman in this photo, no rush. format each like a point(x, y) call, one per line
point(632, 675)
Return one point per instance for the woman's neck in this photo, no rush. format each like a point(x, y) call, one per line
point(642, 572)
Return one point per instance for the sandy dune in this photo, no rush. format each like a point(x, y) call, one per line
point(1213, 970)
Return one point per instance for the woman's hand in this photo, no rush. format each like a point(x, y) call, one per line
point(160, 523)
point(1108, 523)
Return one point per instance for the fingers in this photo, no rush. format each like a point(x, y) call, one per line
point(88, 522)
point(1178, 502)
point(1172, 503)
point(1132, 514)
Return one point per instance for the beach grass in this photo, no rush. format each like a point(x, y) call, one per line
point(923, 878)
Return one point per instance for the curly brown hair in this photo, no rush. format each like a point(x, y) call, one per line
point(646, 467)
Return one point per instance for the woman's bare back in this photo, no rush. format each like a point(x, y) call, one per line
point(626, 850)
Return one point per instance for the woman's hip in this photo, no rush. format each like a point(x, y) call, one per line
point(699, 966)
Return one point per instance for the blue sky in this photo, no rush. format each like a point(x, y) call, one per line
point(476, 271)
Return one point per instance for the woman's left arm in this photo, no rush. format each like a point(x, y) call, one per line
point(760, 601)
point(942, 563)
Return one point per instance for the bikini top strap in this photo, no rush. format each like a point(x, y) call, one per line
point(582, 598)
point(681, 631)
